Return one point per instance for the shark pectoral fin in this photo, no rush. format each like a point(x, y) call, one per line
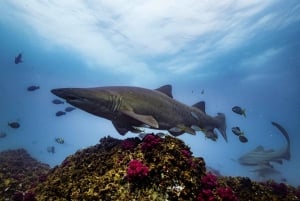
point(121, 129)
point(146, 119)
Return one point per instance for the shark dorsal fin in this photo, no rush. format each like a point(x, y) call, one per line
point(166, 89)
point(259, 148)
point(200, 105)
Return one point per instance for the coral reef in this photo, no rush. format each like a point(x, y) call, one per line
point(150, 169)
point(136, 171)
point(19, 173)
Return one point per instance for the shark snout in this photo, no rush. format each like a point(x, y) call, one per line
point(71, 95)
point(65, 93)
point(60, 93)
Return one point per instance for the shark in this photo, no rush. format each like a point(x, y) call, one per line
point(261, 157)
point(265, 171)
point(130, 108)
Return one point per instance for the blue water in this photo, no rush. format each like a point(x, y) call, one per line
point(242, 53)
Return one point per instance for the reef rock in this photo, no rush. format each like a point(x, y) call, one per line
point(150, 169)
point(19, 174)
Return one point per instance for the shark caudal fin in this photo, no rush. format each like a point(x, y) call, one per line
point(221, 124)
point(287, 155)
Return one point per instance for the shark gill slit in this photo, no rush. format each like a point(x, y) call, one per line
point(115, 103)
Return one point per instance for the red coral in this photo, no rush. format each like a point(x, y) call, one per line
point(149, 142)
point(128, 144)
point(226, 194)
point(209, 181)
point(136, 171)
point(187, 153)
point(206, 195)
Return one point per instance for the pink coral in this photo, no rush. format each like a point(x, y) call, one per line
point(187, 153)
point(149, 142)
point(206, 195)
point(209, 180)
point(226, 194)
point(136, 171)
point(128, 144)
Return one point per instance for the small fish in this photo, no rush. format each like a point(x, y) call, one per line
point(3, 134)
point(59, 140)
point(239, 110)
point(14, 124)
point(18, 59)
point(243, 139)
point(69, 109)
point(202, 92)
point(142, 135)
point(237, 131)
point(60, 113)
point(57, 101)
point(51, 149)
point(161, 135)
point(33, 88)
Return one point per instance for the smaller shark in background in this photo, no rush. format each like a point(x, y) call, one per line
point(129, 108)
point(261, 157)
point(265, 171)
point(18, 59)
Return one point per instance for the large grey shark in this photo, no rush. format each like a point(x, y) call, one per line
point(129, 108)
point(261, 157)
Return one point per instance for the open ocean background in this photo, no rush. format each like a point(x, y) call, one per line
point(244, 53)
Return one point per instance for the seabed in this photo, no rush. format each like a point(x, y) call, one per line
point(154, 168)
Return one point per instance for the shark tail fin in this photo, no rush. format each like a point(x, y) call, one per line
point(221, 124)
point(287, 155)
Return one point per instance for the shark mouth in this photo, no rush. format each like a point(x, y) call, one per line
point(66, 94)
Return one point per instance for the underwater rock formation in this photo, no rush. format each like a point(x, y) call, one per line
point(150, 169)
point(19, 174)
